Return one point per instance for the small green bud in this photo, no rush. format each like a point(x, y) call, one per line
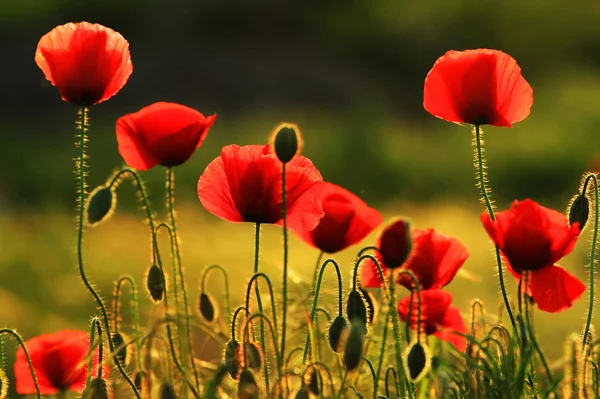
point(579, 211)
point(418, 361)
point(122, 350)
point(286, 141)
point(338, 332)
point(353, 349)
point(254, 356)
point(207, 308)
point(98, 389)
point(247, 386)
point(371, 303)
point(100, 205)
point(356, 309)
point(233, 358)
point(155, 282)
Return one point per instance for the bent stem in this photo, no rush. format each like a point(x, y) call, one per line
point(486, 192)
point(80, 166)
point(135, 312)
point(31, 369)
point(204, 277)
point(188, 329)
point(591, 176)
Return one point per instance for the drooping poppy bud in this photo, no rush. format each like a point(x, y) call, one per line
point(314, 381)
point(208, 309)
point(155, 282)
point(100, 205)
point(3, 384)
point(302, 393)
point(247, 387)
point(233, 358)
point(418, 361)
point(139, 379)
point(356, 309)
point(98, 389)
point(118, 340)
point(579, 210)
point(254, 356)
point(353, 349)
point(286, 140)
point(371, 302)
point(338, 333)
point(166, 391)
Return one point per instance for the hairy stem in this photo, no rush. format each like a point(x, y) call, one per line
point(285, 259)
point(22, 344)
point(591, 176)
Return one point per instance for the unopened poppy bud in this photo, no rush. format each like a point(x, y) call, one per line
point(302, 393)
point(286, 140)
point(338, 332)
point(206, 306)
point(356, 309)
point(3, 384)
point(98, 389)
point(100, 205)
point(233, 358)
point(353, 349)
point(139, 379)
point(155, 282)
point(395, 243)
point(315, 381)
point(579, 210)
point(247, 387)
point(418, 361)
point(166, 391)
point(118, 340)
point(371, 303)
point(254, 356)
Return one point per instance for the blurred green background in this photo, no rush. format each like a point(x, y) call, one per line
point(350, 73)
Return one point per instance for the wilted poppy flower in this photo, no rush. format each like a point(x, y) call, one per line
point(244, 185)
point(480, 87)
point(532, 239)
point(434, 260)
point(438, 316)
point(163, 133)
point(347, 220)
point(59, 360)
point(88, 63)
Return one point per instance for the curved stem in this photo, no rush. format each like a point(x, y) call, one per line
point(270, 325)
point(368, 362)
point(203, 279)
point(81, 195)
point(486, 193)
point(254, 279)
point(285, 259)
point(259, 302)
point(126, 170)
point(323, 366)
point(383, 347)
point(31, 369)
point(134, 312)
point(188, 329)
point(591, 176)
point(391, 371)
point(234, 319)
point(316, 298)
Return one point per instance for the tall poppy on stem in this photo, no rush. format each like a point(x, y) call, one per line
point(438, 316)
point(435, 257)
point(244, 185)
point(88, 63)
point(532, 239)
point(59, 361)
point(347, 220)
point(162, 133)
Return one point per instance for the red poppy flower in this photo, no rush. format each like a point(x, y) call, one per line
point(163, 133)
point(347, 220)
point(88, 63)
point(480, 87)
point(59, 360)
point(438, 316)
point(244, 185)
point(532, 239)
point(434, 260)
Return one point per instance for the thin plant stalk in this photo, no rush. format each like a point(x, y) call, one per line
point(588, 322)
point(80, 167)
point(285, 259)
point(16, 336)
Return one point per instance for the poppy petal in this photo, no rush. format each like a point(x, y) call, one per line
point(305, 191)
point(369, 275)
point(554, 289)
point(131, 146)
point(453, 323)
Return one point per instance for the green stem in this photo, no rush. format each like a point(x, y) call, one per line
point(591, 176)
point(188, 329)
point(81, 192)
point(285, 259)
point(100, 347)
point(486, 193)
point(372, 370)
point(383, 347)
point(31, 369)
point(135, 313)
point(260, 305)
point(203, 279)
point(91, 354)
point(115, 179)
point(317, 267)
point(342, 386)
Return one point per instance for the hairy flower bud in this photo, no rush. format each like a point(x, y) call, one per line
point(286, 141)
point(233, 358)
point(371, 302)
point(253, 356)
point(100, 205)
point(579, 210)
point(207, 307)
point(356, 309)
point(314, 381)
point(338, 332)
point(166, 391)
point(247, 386)
point(418, 361)
point(353, 349)
point(98, 389)
point(122, 352)
point(155, 282)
